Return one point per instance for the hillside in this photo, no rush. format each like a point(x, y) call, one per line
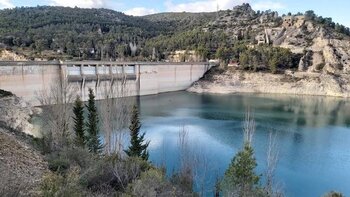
point(304, 42)
point(21, 164)
point(65, 33)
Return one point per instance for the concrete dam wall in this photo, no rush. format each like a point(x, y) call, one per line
point(34, 81)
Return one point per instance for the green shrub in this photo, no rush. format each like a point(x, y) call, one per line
point(54, 184)
point(151, 183)
point(333, 194)
point(59, 164)
point(4, 93)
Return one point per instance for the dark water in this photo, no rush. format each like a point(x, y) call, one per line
point(312, 133)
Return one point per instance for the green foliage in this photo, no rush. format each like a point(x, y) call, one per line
point(195, 39)
point(54, 184)
point(93, 142)
point(4, 93)
point(267, 57)
point(87, 33)
point(333, 194)
point(137, 148)
point(59, 164)
point(113, 173)
point(327, 22)
point(151, 183)
point(240, 177)
point(79, 127)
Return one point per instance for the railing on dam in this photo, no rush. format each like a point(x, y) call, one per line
point(100, 72)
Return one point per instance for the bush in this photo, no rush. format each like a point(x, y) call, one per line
point(151, 183)
point(61, 161)
point(154, 183)
point(113, 172)
point(4, 93)
point(54, 184)
point(333, 194)
point(59, 164)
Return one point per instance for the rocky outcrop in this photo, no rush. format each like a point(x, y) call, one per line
point(299, 83)
point(16, 114)
point(6, 55)
point(324, 50)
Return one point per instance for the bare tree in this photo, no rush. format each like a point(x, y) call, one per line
point(202, 172)
point(57, 101)
point(186, 175)
point(115, 112)
point(249, 127)
point(125, 172)
point(271, 164)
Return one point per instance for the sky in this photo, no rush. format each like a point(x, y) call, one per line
point(337, 9)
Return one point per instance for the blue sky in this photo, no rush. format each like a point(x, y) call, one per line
point(337, 9)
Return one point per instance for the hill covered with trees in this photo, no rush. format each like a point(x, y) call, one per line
point(312, 41)
point(89, 33)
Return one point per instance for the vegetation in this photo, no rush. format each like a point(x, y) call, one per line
point(333, 194)
point(266, 57)
point(77, 170)
point(137, 148)
point(67, 33)
point(240, 178)
point(93, 141)
point(4, 93)
point(79, 126)
point(327, 22)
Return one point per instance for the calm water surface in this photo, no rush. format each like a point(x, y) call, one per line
point(312, 133)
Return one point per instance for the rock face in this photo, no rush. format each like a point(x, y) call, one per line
point(323, 49)
point(299, 83)
point(15, 115)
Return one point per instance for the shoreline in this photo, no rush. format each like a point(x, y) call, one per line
point(291, 83)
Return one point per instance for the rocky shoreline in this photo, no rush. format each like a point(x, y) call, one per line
point(297, 83)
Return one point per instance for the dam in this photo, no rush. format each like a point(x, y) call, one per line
point(34, 80)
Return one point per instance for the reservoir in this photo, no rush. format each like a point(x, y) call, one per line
point(312, 135)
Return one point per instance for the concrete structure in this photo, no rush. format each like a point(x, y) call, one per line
point(32, 80)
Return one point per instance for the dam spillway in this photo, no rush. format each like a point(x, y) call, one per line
point(33, 79)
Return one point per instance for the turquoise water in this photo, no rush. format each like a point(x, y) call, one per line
point(312, 134)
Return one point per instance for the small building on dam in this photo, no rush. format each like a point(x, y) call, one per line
point(38, 80)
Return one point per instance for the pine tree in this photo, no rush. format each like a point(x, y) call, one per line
point(240, 178)
point(93, 141)
point(137, 146)
point(78, 118)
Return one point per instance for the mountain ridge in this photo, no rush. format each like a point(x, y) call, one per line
point(74, 33)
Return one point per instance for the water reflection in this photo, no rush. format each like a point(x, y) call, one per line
point(311, 131)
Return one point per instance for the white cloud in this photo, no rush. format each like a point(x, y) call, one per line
point(203, 5)
point(267, 5)
point(80, 3)
point(6, 4)
point(140, 11)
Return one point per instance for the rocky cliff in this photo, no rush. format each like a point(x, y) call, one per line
point(324, 45)
point(16, 114)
